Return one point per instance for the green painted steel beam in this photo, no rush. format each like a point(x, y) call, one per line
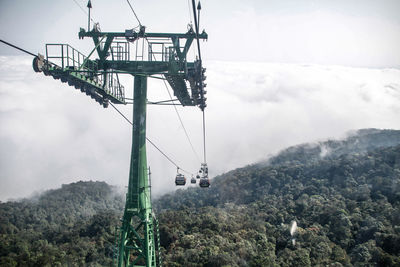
point(190, 34)
point(137, 240)
point(138, 67)
point(147, 67)
point(139, 236)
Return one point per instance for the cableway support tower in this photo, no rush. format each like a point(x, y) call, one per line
point(142, 55)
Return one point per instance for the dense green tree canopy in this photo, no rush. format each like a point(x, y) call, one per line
point(344, 196)
point(74, 225)
point(346, 202)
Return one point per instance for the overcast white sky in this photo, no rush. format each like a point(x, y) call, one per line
point(279, 73)
point(343, 32)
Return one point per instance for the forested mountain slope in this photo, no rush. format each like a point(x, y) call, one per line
point(231, 186)
point(73, 225)
point(356, 142)
point(344, 196)
point(347, 207)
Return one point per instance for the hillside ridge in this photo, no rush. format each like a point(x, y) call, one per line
point(346, 205)
point(356, 142)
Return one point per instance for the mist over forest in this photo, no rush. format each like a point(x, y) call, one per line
point(342, 196)
point(282, 115)
point(52, 134)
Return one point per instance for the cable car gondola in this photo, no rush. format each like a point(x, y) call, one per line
point(180, 179)
point(204, 182)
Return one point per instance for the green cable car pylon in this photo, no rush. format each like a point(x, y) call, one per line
point(142, 55)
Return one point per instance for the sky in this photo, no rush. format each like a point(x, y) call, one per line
point(361, 33)
point(279, 73)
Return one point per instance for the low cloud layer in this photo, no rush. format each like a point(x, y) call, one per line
point(270, 106)
point(53, 134)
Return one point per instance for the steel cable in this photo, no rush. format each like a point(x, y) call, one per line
point(83, 10)
point(16, 47)
point(166, 87)
point(151, 142)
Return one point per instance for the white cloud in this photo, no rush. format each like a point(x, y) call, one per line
point(319, 36)
point(260, 108)
point(351, 32)
point(52, 134)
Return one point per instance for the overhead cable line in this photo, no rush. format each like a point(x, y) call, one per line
point(180, 119)
point(19, 48)
point(151, 142)
point(179, 116)
point(170, 96)
point(196, 23)
point(204, 136)
point(83, 10)
point(168, 158)
point(190, 14)
point(134, 13)
point(183, 126)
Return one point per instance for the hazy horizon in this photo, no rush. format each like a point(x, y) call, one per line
point(53, 134)
point(279, 73)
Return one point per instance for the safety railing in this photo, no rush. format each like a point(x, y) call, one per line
point(114, 87)
point(120, 51)
point(67, 59)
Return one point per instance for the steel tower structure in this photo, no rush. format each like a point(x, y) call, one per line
point(141, 54)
